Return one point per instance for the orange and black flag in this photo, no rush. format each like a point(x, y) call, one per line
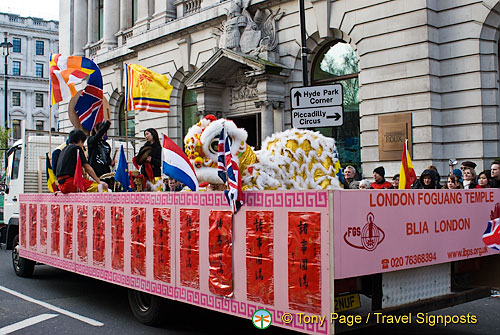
point(51, 178)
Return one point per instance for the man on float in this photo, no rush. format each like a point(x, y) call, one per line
point(67, 161)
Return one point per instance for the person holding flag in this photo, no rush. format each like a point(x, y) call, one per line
point(69, 168)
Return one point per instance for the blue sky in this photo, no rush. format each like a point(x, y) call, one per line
point(46, 9)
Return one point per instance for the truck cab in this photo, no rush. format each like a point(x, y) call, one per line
point(25, 173)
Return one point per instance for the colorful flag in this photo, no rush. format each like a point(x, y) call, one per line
point(51, 178)
point(78, 177)
point(176, 164)
point(146, 90)
point(121, 174)
point(65, 72)
point(491, 236)
point(230, 172)
point(407, 175)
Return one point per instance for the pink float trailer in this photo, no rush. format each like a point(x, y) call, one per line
point(318, 261)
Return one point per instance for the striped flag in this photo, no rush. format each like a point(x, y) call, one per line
point(229, 172)
point(176, 165)
point(407, 175)
point(147, 90)
point(491, 236)
point(65, 72)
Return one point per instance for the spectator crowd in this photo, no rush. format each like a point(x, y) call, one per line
point(464, 178)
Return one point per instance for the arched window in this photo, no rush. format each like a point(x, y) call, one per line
point(189, 111)
point(337, 63)
point(128, 125)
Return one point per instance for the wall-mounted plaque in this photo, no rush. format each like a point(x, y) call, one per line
point(393, 130)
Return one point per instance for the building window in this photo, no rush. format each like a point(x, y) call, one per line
point(16, 98)
point(39, 70)
point(127, 125)
point(38, 99)
point(16, 44)
point(39, 48)
point(16, 129)
point(16, 68)
point(39, 125)
point(189, 110)
point(101, 19)
point(336, 63)
point(134, 11)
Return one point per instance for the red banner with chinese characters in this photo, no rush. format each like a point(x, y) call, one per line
point(68, 232)
point(304, 269)
point(189, 232)
point(138, 240)
point(55, 211)
point(81, 231)
point(43, 228)
point(98, 238)
point(259, 256)
point(117, 243)
point(22, 222)
point(161, 244)
point(220, 253)
point(32, 225)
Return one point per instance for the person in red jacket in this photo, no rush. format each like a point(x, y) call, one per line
point(380, 182)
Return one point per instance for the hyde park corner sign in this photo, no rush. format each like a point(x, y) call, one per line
point(317, 106)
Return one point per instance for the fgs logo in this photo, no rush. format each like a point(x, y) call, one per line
point(368, 237)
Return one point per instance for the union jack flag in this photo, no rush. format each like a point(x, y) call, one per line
point(90, 107)
point(229, 172)
point(491, 236)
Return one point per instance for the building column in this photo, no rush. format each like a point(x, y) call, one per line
point(90, 20)
point(30, 52)
point(267, 118)
point(143, 16)
point(125, 14)
point(80, 27)
point(164, 10)
point(111, 23)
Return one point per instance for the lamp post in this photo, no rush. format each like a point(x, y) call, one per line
point(6, 45)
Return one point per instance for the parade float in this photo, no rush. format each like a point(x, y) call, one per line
point(299, 246)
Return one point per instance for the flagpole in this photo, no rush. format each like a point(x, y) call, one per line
point(126, 129)
point(50, 131)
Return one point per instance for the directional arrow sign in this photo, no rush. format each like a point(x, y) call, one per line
point(318, 117)
point(316, 96)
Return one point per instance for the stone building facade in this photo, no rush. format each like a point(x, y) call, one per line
point(436, 60)
point(33, 41)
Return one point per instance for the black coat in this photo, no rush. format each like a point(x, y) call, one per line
point(155, 158)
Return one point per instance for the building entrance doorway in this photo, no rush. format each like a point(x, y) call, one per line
point(251, 123)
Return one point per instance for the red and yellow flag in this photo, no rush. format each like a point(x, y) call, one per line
point(407, 175)
point(147, 90)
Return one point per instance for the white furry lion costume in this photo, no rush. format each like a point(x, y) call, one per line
point(292, 159)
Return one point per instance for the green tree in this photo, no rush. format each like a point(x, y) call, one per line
point(4, 144)
point(340, 60)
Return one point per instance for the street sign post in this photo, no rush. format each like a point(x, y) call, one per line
point(317, 106)
point(317, 117)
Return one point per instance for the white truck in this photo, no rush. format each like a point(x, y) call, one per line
point(26, 173)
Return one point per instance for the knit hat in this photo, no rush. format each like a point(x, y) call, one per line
point(380, 170)
point(469, 164)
